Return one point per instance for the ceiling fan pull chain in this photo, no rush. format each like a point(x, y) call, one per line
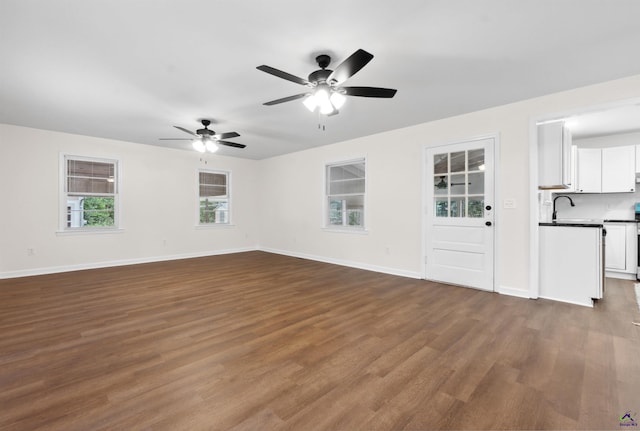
point(321, 126)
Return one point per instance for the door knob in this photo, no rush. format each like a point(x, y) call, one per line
point(488, 223)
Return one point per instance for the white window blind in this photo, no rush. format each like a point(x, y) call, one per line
point(213, 197)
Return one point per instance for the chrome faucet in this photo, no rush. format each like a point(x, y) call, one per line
point(555, 212)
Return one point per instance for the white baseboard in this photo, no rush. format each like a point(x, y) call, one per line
point(582, 304)
point(504, 290)
point(350, 264)
point(96, 265)
point(620, 275)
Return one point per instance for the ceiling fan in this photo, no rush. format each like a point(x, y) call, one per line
point(326, 91)
point(207, 139)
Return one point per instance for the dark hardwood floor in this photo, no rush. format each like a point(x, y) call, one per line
point(258, 341)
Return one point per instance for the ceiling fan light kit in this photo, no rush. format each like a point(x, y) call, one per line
point(199, 146)
point(211, 146)
point(204, 145)
point(327, 95)
point(207, 139)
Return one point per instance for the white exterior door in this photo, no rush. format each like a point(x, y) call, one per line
point(459, 239)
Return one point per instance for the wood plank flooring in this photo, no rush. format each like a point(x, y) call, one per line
point(257, 341)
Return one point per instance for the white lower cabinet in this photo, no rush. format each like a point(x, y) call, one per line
point(621, 248)
point(616, 247)
point(571, 264)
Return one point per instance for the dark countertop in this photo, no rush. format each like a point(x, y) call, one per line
point(595, 223)
point(585, 222)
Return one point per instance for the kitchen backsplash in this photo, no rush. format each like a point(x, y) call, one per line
point(608, 206)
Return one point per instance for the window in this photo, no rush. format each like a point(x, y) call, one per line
point(459, 184)
point(213, 202)
point(90, 193)
point(346, 186)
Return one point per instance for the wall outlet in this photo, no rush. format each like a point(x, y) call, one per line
point(509, 203)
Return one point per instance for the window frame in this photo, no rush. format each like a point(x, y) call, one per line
point(362, 228)
point(229, 195)
point(64, 195)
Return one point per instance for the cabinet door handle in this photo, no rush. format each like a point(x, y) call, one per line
point(488, 223)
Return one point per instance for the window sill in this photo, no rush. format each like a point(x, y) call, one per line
point(214, 226)
point(90, 231)
point(357, 231)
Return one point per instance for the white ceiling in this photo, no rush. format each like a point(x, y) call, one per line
point(130, 69)
point(603, 122)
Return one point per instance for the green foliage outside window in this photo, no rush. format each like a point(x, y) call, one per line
point(208, 211)
point(98, 211)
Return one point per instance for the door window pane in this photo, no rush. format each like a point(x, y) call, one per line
point(441, 207)
point(476, 160)
point(458, 161)
point(441, 185)
point(476, 206)
point(440, 163)
point(476, 183)
point(458, 184)
point(457, 207)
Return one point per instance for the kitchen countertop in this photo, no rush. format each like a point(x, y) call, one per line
point(570, 223)
point(584, 222)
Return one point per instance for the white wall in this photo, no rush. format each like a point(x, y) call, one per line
point(292, 189)
point(158, 201)
point(617, 140)
point(278, 202)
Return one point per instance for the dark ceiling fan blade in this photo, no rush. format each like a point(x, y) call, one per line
point(231, 144)
point(284, 75)
point(285, 99)
point(185, 130)
point(370, 92)
point(176, 139)
point(226, 135)
point(350, 66)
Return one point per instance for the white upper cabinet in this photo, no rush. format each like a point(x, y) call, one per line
point(589, 170)
point(607, 170)
point(619, 169)
point(554, 156)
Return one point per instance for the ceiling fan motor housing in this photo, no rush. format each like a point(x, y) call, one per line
point(323, 60)
point(205, 131)
point(320, 76)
